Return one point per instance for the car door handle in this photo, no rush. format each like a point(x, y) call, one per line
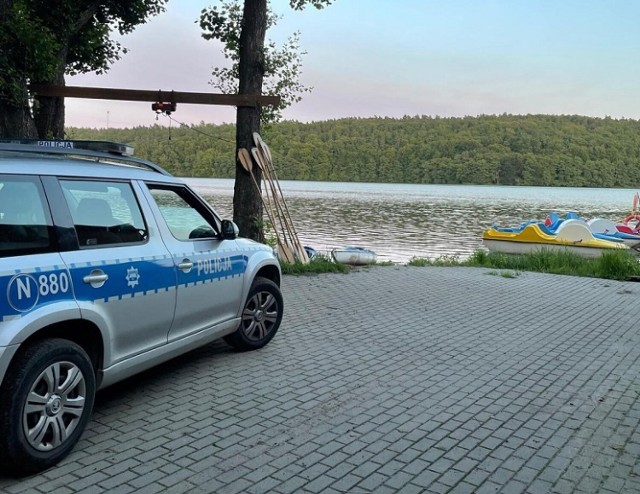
point(96, 277)
point(186, 265)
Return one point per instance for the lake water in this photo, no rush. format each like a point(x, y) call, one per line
point(401, 221)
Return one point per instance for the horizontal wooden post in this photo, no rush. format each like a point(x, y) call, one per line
point(154, 96)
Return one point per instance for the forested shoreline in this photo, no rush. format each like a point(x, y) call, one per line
point(540, 150)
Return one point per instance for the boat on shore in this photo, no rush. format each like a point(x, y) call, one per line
point(601, 228)
point(571, 235)
point(355, 256)
point(617, 230)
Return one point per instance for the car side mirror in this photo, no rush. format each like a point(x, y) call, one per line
point(230, 230)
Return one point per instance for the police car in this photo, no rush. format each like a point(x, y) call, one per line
point(109, 266)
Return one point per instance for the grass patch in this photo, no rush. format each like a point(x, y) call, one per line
point(319, 264)
point(324, 264)
point(385, 263)
point(615, 265)
point(610, 265)
point(509, 274)
point(439, 261)
point(504, 274)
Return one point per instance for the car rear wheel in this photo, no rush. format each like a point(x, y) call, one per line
point(261, 316)
point(51, 389)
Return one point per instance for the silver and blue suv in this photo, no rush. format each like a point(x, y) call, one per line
point(109, 266)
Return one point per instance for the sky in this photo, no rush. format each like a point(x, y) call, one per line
point(386, 58)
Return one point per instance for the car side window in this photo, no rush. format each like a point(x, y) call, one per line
point(104, 213)
point(25, 223)
point(183, 214)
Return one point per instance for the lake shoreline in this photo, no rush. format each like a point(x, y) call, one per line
point(403, 221)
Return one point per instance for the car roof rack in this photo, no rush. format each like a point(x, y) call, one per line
point(86, 149)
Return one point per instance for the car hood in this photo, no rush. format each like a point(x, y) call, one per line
point(252, 244)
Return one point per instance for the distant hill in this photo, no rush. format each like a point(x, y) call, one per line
point(506, 149)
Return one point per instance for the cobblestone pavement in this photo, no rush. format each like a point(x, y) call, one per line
point(389, 379)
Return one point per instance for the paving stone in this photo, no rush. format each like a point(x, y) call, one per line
point(114, 481)
point(352, 395)
point(267, 484)
point(319, 484)
point(425, 479)
point(371, 483)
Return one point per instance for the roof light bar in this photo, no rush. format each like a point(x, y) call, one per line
point(101, 146)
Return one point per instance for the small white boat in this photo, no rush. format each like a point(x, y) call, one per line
point(311, 252)
point(356, 256)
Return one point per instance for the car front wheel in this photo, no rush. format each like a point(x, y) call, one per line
point(47, 397)
point(260, 317)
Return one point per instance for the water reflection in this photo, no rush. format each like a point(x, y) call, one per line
point(401, 221)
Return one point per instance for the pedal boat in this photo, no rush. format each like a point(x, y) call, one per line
point(572, 235)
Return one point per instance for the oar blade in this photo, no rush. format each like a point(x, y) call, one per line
point(245, 159)
point(257, 155)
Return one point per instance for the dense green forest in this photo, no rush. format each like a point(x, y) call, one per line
point(507, 150)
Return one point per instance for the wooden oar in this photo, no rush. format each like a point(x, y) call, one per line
point(271, 173)
point(246, 162)
point(283, 250)
point(270, 190)
point(285, 224)
point(268, 161)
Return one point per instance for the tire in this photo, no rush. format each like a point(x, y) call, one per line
point(42, 419)
point(260, 318)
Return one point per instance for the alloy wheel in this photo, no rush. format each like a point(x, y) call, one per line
point(54, 406)
point(260, 315)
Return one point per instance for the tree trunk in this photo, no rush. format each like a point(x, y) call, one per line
point(49, 114)
point(16, 121)
point(15, 115)
point(247, 204)
point(49, 111)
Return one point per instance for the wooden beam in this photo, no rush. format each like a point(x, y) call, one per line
point(153, 96)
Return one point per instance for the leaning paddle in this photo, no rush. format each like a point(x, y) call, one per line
point(270, 171)
point(283, 250)
point(285, 224)
point(245, 160)
point(277, 211)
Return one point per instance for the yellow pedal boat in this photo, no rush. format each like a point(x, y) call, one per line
point(572, 235)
